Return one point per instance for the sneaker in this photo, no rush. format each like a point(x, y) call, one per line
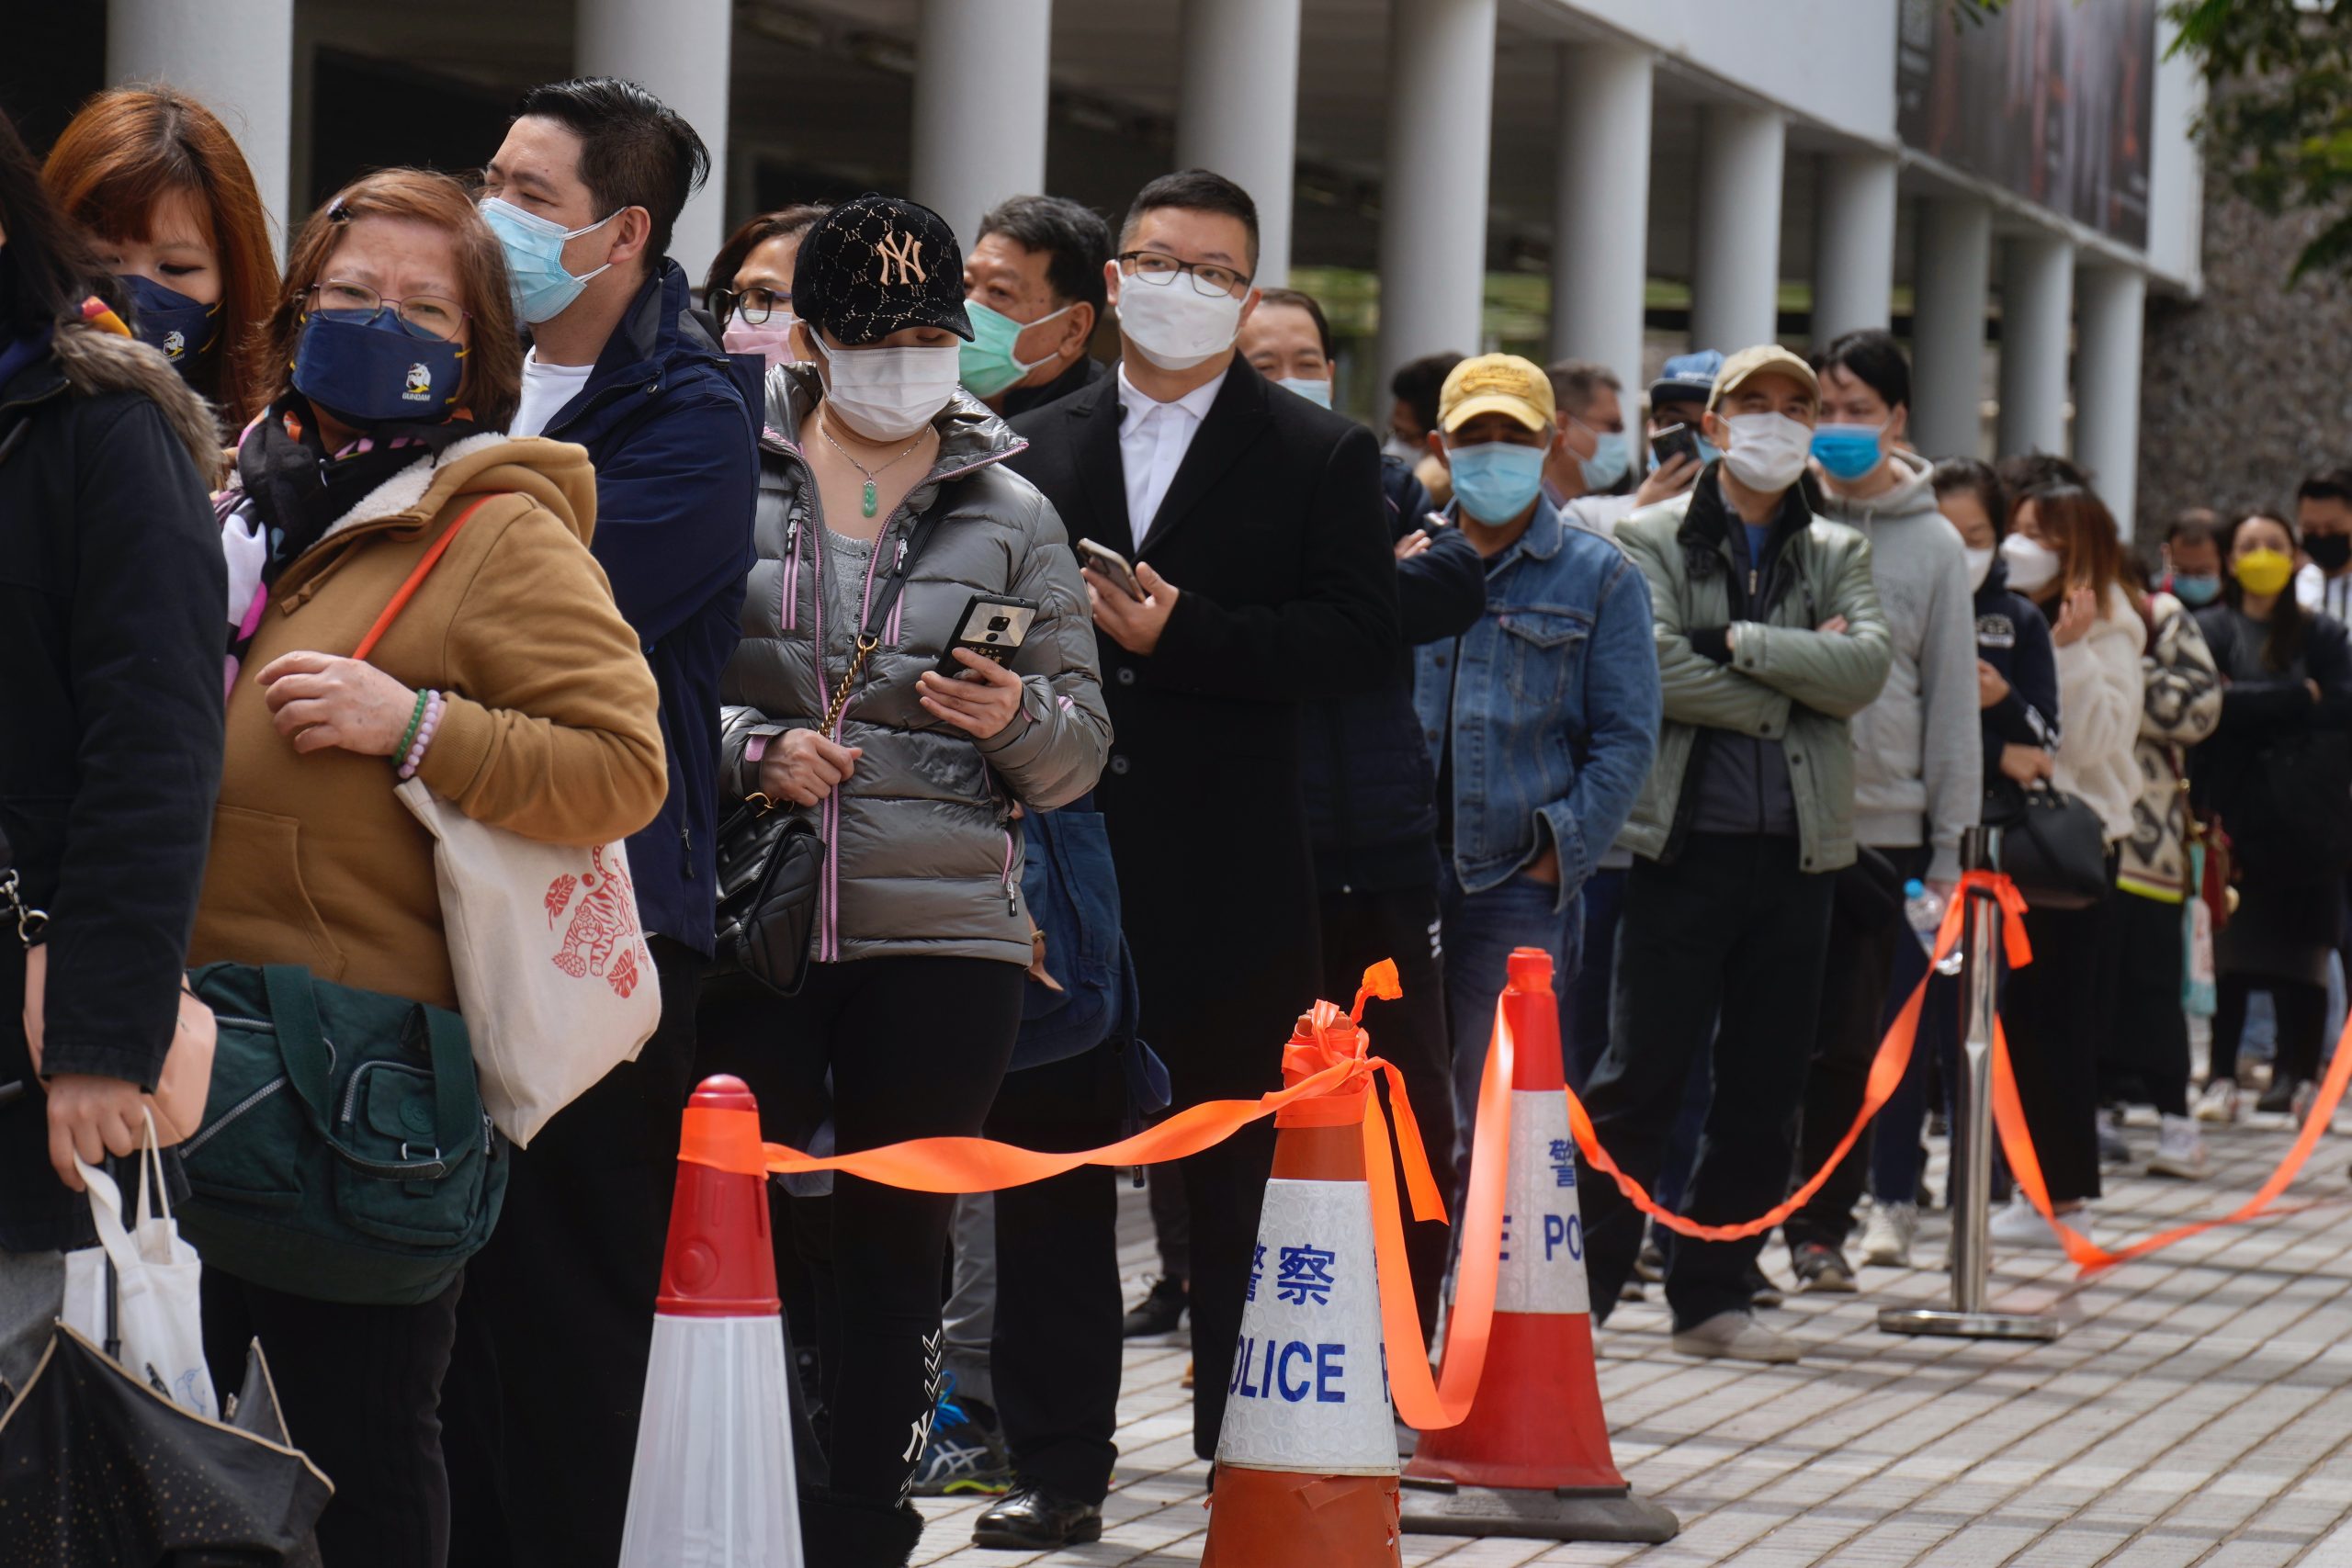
point(2218, 1101)
point(1762, 1292)
point(1887, 1234)
point(1161, 1309)
point(1632, 1289)
point(2306, 1095)
point(1649, 1264)
point(965, 1454)
point(1822, 1268)
point(2114, 1153)
point(2180, 1150)
point(2280, 1097)
point(1734, 1337)
point(2016, 1224)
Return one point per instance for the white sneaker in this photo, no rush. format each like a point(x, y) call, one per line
point(1888, 1232)
point(2306, 1093)
point(1735, 1336)
point(2218, 1101)
point(2114, 1153)
point(2180, 1150)
point(2018, 1224)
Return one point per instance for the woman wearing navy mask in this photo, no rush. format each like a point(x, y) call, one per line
point(159, 184)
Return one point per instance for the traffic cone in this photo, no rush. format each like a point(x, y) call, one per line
point(713, 1485)
point(1307, 1457)
point(1532, 1457)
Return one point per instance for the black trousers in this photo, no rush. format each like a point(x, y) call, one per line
point(360, 1389)
point(897, 1047)
point(2057, 1011)
point(1359, 931)
point(2147, 1051)
point(2300, 1007)
point(557, 1318)
point(1864, 941)
point(1730, 929)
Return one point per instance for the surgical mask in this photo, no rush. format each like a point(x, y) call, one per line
point(1317, 392)
point(369, 372)
point(1979, 565)
point(184, 329)
point(1404, 451)
point(2195, 588)
point(987, 362)
point(2033, 564)
point(533, 246)
point(1174, 325)
point(1613, 454)
point(1496, 481)
point(887, 394)
point(771, 340)
point(1847, 451)
point(2329, 552)
point(1768, 450)
point(2263, 571)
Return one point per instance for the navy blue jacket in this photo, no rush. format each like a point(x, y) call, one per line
point(673, 423)
point(2014, 639)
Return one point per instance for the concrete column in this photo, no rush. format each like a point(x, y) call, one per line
point(1951, 274)
point(1602, 208)
point(2037, 297)
point(1735, 236)
point(2111, 304)
point(1237, 112)
point(1853, 246)
point(236, 57)
point(1433, 202)
point(980, 105)
point(678, 52)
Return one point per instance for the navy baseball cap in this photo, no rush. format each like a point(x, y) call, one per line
point(1687, 378)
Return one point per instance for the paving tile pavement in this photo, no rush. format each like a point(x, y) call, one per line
point(2198, 1411)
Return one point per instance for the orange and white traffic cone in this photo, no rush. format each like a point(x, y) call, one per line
point(1532, 1457)
point(713, 1486)
point(1306, 1458)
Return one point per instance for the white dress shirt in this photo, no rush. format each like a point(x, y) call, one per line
point(1153, 439)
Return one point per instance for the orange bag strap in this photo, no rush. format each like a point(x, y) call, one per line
point(407, 591)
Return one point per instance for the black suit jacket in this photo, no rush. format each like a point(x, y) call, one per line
point(1272, 535)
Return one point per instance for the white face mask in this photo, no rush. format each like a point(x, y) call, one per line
point(887, 394)
point(1398, 448)
point(1979, 565)
point(1174, 325)
point(2033, 564)
point(1767, 451)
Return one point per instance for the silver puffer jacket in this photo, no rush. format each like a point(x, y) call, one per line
point(923, 855)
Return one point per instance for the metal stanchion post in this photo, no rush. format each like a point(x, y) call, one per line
point(1972, 1133)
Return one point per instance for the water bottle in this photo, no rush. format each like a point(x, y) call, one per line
point(1923, 911)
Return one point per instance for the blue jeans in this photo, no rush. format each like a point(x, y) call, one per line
point(1479, 930)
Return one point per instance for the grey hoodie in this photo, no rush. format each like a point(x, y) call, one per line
point(1919, 764)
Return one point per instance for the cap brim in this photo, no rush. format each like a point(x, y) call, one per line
point(1800, 372)
point(1520, 410)
point(1680, 392)
point(955, 319)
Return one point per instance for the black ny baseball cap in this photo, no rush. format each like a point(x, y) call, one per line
point(879, 264)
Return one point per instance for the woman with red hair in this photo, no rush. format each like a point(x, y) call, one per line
point(160, 185)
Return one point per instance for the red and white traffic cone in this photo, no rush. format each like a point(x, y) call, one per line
point(1532, 1457)
point(713, 1486)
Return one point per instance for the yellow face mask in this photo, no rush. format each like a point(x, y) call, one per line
point(2263, 571)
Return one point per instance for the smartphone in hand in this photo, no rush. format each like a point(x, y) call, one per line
point(1111, 564)
point(993, 627)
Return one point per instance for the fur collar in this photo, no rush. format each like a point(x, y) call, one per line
point(406, 489)
point(94, 361)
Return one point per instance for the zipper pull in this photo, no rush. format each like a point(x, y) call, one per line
point(899, 568)
point(792, 535)
point(1751, 582)
point(1012, 907)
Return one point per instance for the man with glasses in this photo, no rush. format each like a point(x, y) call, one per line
point(1262, 577)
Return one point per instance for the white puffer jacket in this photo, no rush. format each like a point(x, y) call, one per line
point(2099, 701)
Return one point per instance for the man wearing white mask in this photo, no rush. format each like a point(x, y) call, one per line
point(1769, 638)
point(1263, 578)
point(1593, 452)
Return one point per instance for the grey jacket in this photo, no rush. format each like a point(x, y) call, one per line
point(1918, 755)
point(922, 854)
point(1784, 680)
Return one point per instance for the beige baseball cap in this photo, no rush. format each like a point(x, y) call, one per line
point(1496, 383)
point(1755, 361)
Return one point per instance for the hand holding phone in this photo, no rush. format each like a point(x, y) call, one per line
point(1108, 562)
point(992, 627)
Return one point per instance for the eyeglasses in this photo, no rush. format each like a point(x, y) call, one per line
point(754, 305)
point(427, 315)
point(1157, 268)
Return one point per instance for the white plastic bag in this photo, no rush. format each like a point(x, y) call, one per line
point(158, 1317)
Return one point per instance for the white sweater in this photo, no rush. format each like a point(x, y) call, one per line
point(2099, 714)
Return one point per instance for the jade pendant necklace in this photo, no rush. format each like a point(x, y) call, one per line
point(871, 474)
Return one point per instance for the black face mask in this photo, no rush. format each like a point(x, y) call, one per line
point(2329, 552)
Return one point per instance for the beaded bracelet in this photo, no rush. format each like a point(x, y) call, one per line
point(416, 720)
point(415, 757)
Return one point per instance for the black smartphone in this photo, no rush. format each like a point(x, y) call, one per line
point(992, 627)
point(1111, 564)
point(1673, 440)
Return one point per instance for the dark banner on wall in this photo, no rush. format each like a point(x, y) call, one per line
point(2050, 98)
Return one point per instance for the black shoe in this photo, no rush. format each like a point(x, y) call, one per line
point(2280, 1097)
point(1158, 1312)
point(1820, 1267)
point(834, 1530)
point(1037, 1518)
point(1762, 1292)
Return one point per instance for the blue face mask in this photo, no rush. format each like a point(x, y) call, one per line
point(184, 330)
point(2196, 590)
point(1496, 481)
point(534, 247)
point(1316, 392)
point(376, 370)
point(1847, 451)
point(1613, 454)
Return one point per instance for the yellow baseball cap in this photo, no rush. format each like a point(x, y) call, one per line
point(1496, 383)
point(1764, 357)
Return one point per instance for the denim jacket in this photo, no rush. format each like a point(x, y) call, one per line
point(1552, 703)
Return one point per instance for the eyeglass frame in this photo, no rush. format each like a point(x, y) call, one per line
point(311, 292)
point(1188, 269)
point(734, 304)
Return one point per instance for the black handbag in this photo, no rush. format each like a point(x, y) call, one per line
point(2054, 846)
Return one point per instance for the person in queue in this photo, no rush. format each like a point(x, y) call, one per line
point(584, 194)
point(160, 185)
point(357, 467)
point(2063, 553)
point(1033, 285)
point(1412, 415)
point(2275, 772)
point(1585, 474)
point(2323, 528)
point(1770, 637)
point(905, 1023)
point(2191, 552)
point(111, 584)
point(748, 285)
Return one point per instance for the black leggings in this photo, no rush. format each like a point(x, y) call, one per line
point(916, 1048)
point(2301, 1008)
point(2058, 1010)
